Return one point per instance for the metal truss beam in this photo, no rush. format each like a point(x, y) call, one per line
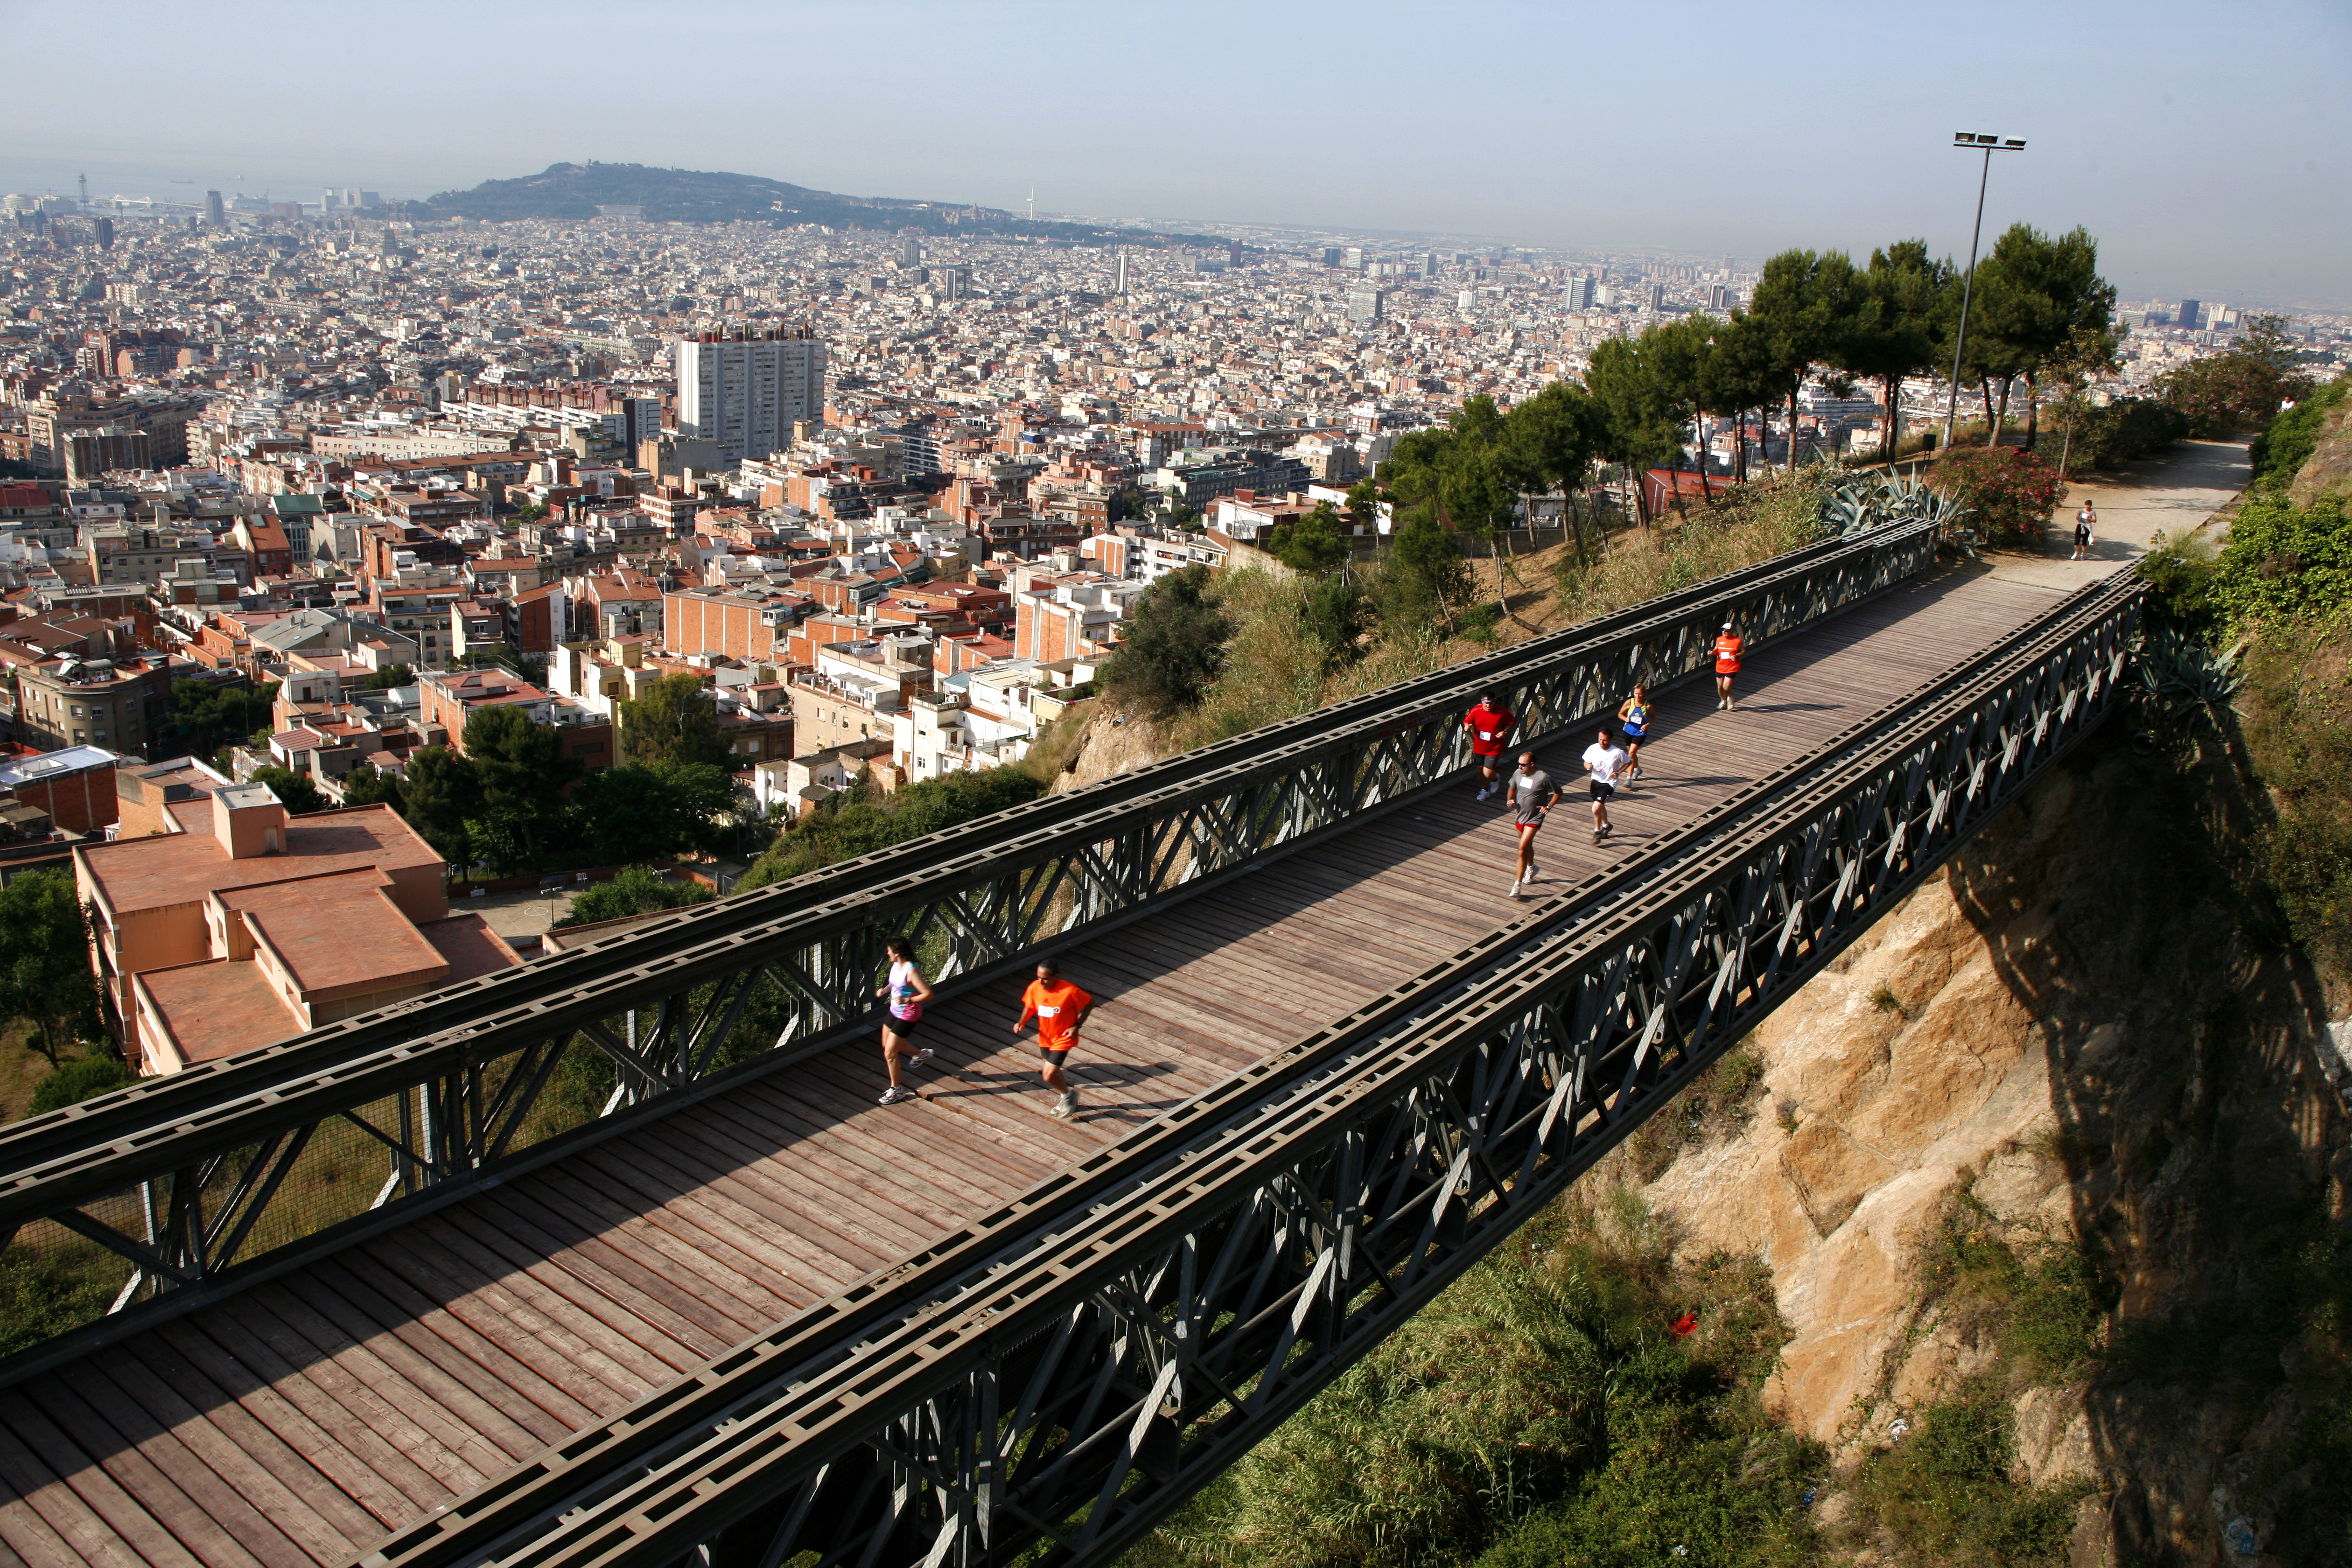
point(1076, 1363)
point(447, 1084)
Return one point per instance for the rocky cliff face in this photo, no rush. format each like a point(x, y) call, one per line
point(2081, 1037)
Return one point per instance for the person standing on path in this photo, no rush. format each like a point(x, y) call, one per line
point(907, 990)
point(1604, 762)
point(2086, 521)
point(1060, 1008)
point(1533, 795)
point(1633, 724)
point(1729, 646)
point(1490, 724)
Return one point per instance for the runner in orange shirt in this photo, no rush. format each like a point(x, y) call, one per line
point(1729, 646)
point(1059, 1007)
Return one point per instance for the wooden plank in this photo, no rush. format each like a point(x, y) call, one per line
point(178, 1393)
point(103, 1514)
point(537, 1399)
point(311, 1516)
point(407, 1352)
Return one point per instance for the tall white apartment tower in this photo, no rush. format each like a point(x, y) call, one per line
point(1120, 286)
point(745, 392)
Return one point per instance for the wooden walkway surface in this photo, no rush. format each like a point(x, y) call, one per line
point(301, 1420)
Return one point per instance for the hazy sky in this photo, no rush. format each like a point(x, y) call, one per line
point(2206, 146)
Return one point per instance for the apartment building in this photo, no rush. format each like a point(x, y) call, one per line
point(233, 925)
point(745, 392)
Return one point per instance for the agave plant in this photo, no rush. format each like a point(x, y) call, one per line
point(2178, 672)
point(1859, 504)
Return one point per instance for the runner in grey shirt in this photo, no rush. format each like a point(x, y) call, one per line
point(1532, 796)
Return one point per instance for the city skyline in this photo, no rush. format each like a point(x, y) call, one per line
point(2213, 173)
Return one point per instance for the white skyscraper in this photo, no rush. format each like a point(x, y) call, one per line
point(1120, 286)
point(1580, 294)
point(746, 393)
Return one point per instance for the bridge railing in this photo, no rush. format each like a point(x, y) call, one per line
point(157, 1192)
point(1078, 1362)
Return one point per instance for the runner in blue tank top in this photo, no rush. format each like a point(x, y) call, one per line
point(1634, 722)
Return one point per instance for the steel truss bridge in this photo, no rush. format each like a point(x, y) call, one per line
point(1068, 1366)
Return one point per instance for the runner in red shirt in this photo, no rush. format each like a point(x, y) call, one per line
point(1729, 646)
point(1059, 1007)
point(1490, 724)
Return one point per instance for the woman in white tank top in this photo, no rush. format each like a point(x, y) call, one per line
point(907, 990)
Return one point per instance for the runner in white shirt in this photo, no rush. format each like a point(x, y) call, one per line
point(1604, 762)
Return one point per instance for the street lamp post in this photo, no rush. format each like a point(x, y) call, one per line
point(1989, 145)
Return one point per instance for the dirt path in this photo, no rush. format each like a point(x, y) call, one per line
point(2172, 495)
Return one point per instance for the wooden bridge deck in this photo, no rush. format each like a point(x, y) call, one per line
point(302, 1419)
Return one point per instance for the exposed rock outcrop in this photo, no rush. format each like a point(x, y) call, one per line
point(2068, 1025)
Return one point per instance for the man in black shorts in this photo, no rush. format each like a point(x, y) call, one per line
point(1604, 761)
point(1533, 795)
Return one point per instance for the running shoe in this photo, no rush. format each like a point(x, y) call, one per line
point(1514, 889)
point(1066, 1105)
point(1485, 793)
point(925, 1054)
point(1533, 875)
point(896, 1094)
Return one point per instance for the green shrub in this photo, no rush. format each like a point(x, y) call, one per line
point(2283, 560)
point(1172, 645)
point(2038, 1295)
point(2294, 436)
point(1944, 1489)
point(41, 1296)
point(852, 824)
point(1541, 1410)
point(72, 1082)
point(2121, 431)
point(2010, 492)
point(636, 890)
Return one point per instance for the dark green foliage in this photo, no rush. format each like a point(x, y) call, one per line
point(2290, 438)
point(2240, 390)
point(45, 1296)
point(1423, 581)
point(1541, 1411)
point(294, 791)
point(851, 825)
point(1897, 329)
point(2298, 728)
point(1173, 646)
point(1945, 1493)
point(635, 891)
point(44, 962)
point(390, 676)
point(636, 812)
point(440, 794)
point(2181, 571)
point(2046, 1303)
point(522, 770)
point(206, 716)
point(2009, 492)
point(74, 1081)
point(1312, 543)
point(2283, 560)
point(673, 720)
point(2122, 431)
point(1339, 612)
point(368, 785)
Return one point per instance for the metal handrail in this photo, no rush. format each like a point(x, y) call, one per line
point(156, 1126)
point(772, 1414)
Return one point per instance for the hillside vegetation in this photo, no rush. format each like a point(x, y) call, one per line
point(696, 195)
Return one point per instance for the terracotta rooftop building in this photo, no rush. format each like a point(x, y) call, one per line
point(240, 926)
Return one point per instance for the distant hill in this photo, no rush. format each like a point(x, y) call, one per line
point(692, 195)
